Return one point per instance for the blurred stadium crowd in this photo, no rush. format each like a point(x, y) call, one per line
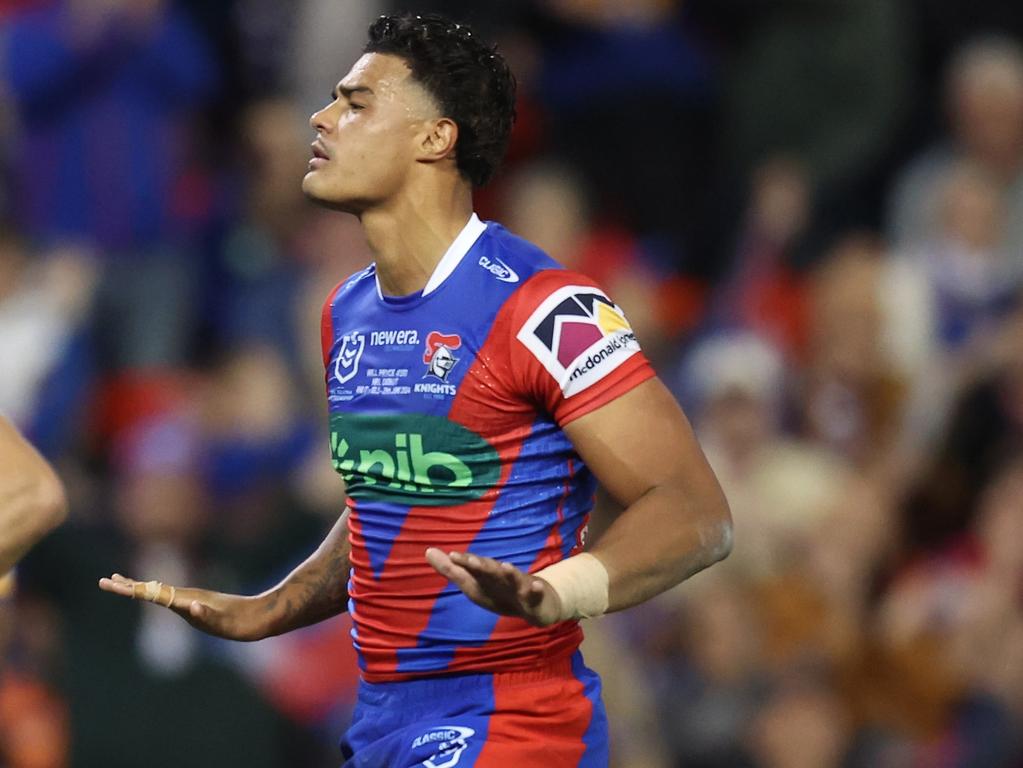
point(812, 214)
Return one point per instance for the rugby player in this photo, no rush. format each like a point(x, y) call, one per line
point(477, 392)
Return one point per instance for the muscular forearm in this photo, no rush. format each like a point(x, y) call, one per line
point(663, 538)
point(316, 590)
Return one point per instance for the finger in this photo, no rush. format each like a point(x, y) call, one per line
point(459, 576)
point(502, 576)
point(533, 592)
point(438, 559)
point(116, 587)
point(482, 568)
point(513, 576)
point(474, 563)
point(147, 591)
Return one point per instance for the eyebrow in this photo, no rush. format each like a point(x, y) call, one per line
point(347, 91)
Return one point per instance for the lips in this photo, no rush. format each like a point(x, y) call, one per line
point(319, 152)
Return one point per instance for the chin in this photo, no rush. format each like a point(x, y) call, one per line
point(322, 198)
point(314, 190)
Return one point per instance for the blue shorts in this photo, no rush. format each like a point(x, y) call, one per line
point(547, 717)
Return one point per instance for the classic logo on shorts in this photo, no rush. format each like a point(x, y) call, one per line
point(580, 336)
point(347, 363)
point(447, 743)
point(439, 356)
point(412, 459)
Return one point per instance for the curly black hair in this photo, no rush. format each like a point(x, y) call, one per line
point(469, 80)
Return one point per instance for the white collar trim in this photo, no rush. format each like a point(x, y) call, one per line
point(465, 240)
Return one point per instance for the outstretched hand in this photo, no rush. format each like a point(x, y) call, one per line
point(499, 587)
point(230, 616)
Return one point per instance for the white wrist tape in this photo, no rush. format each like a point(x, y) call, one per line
point(581, 582)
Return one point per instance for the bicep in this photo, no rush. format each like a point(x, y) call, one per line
point(639, 441)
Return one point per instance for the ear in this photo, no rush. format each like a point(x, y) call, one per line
point(438, 141)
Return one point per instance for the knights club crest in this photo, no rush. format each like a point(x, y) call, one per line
point(347, 363)
point(439, 356)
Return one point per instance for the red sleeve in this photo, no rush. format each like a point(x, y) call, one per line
point(327, 324)
point(573, 350)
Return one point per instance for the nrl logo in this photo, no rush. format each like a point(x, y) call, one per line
point(347, 363)
point(439, 357)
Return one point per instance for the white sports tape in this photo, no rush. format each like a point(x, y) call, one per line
point(581, 582)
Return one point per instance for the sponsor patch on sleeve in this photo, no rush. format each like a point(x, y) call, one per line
point(580, 336)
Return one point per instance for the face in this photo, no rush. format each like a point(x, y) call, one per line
point(371, 136)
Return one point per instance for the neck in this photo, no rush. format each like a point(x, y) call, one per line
point(409, 236)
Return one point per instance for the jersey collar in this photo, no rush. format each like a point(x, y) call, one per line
point(460, 246)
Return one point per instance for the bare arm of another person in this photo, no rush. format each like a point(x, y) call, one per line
point(316, 590)
point(32, 500)
point(676, 521)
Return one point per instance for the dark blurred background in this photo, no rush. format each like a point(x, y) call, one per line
point(812, 211)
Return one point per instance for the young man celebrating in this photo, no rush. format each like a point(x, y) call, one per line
point(477, 392)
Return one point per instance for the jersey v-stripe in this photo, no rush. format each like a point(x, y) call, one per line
point(446, 414)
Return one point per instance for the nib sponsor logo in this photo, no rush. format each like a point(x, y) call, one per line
point(580, 336)
point(411, 459)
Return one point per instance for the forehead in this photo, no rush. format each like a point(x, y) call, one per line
point(380, 72)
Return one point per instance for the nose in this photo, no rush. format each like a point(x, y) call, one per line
point(320, 120)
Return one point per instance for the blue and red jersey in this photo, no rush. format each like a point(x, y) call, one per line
point(446, 415)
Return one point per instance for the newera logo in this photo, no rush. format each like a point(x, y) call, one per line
point(407, 467)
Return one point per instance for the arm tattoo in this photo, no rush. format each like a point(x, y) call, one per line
point(318, 588)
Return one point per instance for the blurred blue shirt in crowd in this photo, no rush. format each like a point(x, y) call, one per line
point(104, 92)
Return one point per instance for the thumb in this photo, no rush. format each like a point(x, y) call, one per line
point(535, 593)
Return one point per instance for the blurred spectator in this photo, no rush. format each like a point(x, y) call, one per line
point(607, 67)
point(985, 426)
point(852, 396)
point(547, 204)
point(963, 603)
point(802, 725)
point(824, 82)
point(984, 98)
point(328, 37)
point(45, 303)
point(129, 670)
point(763, 291)
point(776, 487)
point(254, 437)
point(711, 680)
point(258, 269)
point(104, 93)
point(967, 279)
